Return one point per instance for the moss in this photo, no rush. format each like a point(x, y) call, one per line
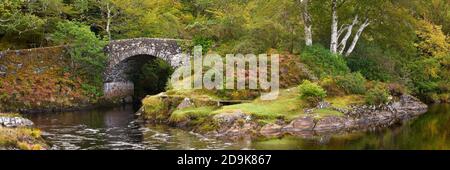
point(288, 106)
point(154, 108)
point(21, 138)
point(346, 101)
point(327, 112)
point(190, 113)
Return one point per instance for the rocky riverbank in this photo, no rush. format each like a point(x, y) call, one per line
point(17, 133)
point(312, 122)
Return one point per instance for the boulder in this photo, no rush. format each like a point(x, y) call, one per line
point(302, 126)
point(230, 117)
point(186, 103)
point(15, 122)
point(271, 130)
point(330, 124)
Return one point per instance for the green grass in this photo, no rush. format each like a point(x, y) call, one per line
point(21, 138)
point(10, 115)
point(190, 113)
point(346, 101)
point(288, 106)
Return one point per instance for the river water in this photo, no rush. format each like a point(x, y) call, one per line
point(116, 129)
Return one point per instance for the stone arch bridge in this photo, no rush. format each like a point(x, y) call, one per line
point(126, 55)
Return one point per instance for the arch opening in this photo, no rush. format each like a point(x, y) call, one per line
point(137, 76)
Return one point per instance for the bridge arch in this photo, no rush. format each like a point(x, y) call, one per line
point(130, 54)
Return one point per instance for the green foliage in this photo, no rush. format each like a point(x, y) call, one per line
point(332, 88)
point(323, 62)
point(352, 83)
point(430, 71)
point(374, 63)
point(206, 43)
point(311, 92)
point(85, 49)
point(91, 91)
point(152, 77)
point(379, 94)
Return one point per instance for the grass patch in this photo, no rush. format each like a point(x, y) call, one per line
point(327, 112)
point(288, 106)
point(190, 113)
point(21, 138)
point(154, 107)
point(346, 101)
point(10, 115)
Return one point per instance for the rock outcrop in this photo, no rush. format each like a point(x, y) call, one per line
point(357, 118)
point(15, 122)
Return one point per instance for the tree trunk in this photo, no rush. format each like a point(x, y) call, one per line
point(356, 38)
point(307, 22)
point(343, 42)
point(334, 29)
point(108, 20)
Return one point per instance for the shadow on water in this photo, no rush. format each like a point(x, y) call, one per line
point(116, 129)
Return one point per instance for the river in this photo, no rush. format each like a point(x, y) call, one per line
point(116, 128)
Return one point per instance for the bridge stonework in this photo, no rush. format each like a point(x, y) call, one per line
point(116, 83)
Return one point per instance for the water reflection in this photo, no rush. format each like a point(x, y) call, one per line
point(430, 131)
point(116, 129)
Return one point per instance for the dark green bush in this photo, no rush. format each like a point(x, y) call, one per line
point(353, 83)
point(311, 92)
point(323, 62)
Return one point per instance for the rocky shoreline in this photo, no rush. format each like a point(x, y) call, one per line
point(18, 133)
point(356, 119)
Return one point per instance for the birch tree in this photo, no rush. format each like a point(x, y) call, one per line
point(340, 37)
point(307, 21)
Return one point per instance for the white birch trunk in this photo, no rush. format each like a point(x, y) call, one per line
point(334, 29)
point(108, 20)
point(307, 22)
point(349, 29)
point(356, 38)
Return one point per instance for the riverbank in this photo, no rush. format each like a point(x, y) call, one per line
point(288, 115)
point(17, 133)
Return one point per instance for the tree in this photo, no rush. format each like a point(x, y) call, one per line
point(85, 49)
point(338, 44)
point(14, 20)
point(307, 21)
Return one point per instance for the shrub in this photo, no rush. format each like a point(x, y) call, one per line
point(353, 83)
point(311, 92)
point(379, 94)
point(330, 85)
point(323, 62)
point(396, 89)
point(206, 43)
